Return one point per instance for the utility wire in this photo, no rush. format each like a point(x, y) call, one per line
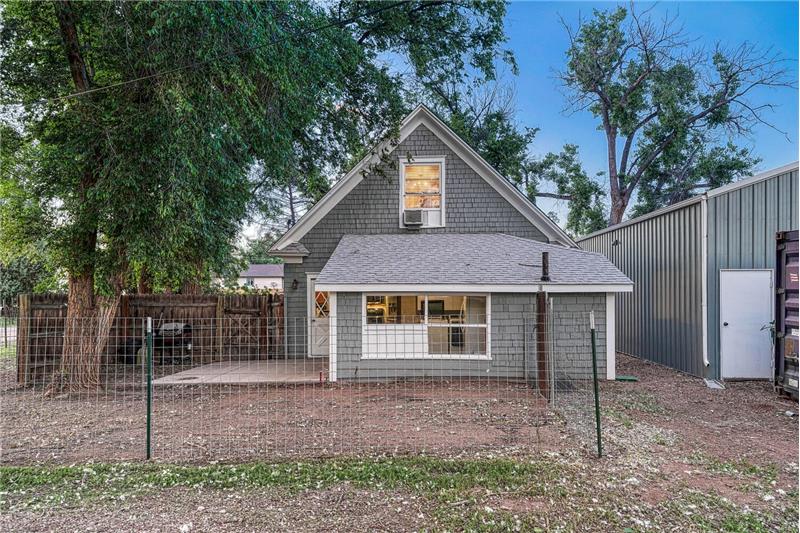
point(197, 64)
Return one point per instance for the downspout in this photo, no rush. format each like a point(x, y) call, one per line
point(704, 275)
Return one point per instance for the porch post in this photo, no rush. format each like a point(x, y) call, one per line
point(332, 335)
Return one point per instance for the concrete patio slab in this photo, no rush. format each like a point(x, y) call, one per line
point(239, 372)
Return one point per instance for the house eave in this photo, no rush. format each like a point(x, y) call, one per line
point(475, 287)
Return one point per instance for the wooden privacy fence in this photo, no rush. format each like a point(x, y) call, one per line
point(223, 327)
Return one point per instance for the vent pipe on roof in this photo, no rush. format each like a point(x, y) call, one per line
point(545, 266)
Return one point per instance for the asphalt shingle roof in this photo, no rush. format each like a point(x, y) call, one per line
point(263, 270)
point(459, 258)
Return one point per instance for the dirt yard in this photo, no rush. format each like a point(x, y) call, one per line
point(678, 456)
point(201, 423)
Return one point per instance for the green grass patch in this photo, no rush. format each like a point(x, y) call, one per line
point(708, 512)
point(7, 351)
point(446, 479)
point(463, 494)
point(619, 416)
point(740, 467)
point(640, 401)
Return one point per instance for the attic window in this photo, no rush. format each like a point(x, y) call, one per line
point(422, 192)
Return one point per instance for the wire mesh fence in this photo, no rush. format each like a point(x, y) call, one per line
point(443, 385)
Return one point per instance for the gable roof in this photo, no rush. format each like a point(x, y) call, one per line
point(263, 270)
point(424, 116)
point(454, 260)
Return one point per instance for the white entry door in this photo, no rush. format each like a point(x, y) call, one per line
point(745, 300)
point(319, 310)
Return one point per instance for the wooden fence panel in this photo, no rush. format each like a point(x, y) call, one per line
point(224, 327)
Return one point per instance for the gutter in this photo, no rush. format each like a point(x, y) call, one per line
point(704, 275)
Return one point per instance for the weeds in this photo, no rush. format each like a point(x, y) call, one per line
point(767, 473)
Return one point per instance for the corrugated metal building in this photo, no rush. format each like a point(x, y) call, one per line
point(690, 260)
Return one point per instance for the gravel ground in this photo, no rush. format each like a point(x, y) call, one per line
point(678, 457)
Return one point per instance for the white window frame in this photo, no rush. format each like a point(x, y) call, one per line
point(405, 161)
point(375, 329)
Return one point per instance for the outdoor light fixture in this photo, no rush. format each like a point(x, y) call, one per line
point(294, 284)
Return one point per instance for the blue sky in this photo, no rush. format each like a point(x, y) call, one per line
point(539, 42)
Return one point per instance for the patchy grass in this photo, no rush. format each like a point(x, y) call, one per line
point(673, 462)
point(713, 513)
point(429, 476)
point(469, 495)
point(8, 351)
point(641, 401)
point(619, 416)
point(741, 467)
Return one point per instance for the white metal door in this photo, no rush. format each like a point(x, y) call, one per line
point(745, 300)
point(319, 310)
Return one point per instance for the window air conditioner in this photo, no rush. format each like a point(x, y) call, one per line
point(412, 218)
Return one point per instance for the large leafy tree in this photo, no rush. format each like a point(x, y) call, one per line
point(137, 125)
point(689, 169)
point(484, 116)
point(565, 171)
point(438, 41)
point(656, 97)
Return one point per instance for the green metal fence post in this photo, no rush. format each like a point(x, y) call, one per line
point(149, 385)
point(596, 386)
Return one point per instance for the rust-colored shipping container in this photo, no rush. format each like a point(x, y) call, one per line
point(787, 327)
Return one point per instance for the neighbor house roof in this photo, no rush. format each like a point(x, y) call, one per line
point(265, 270)
point(422, 116)
point(489, 262)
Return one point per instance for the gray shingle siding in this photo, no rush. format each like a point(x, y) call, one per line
point(512, 317)
point(513, 342)
point(372, 207)
point(571, 337)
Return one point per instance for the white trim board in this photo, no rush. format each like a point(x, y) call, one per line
point(332, 346)
point(423, 116)
point(418, 342)
point(611, 337)
point(405, 161)
point(473, 288)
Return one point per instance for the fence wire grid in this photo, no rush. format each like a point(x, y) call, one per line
point(449, 387)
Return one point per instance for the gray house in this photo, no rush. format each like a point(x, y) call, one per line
point(427, 262)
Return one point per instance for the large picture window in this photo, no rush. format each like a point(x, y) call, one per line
point(422, 190)
point(449, 326)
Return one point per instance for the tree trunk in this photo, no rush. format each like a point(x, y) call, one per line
point(86, 331)
point(191, 286)
point(618, 205)
point(618, 201)
point(89, 319)
point(145, 282)
point(292, 214)
point(194, 285)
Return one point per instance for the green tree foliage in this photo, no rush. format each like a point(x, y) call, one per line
point(587, 211)
point(692, 169)
point(656, 97)
point(236, 100)
point(484, 117)
point(441, 42)
point(137, 125)
point(256, 250)
point(21, 275)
